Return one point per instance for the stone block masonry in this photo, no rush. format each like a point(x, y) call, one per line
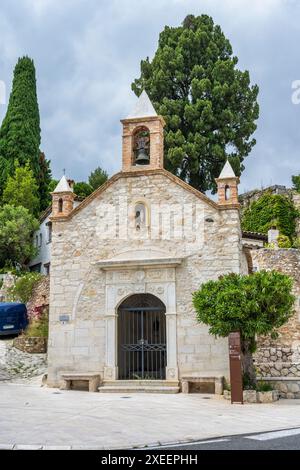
point(278, 361)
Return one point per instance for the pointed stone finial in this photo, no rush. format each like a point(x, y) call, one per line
point(227, 171)
point(143, 107)
point(63, 186)
point(228, 186)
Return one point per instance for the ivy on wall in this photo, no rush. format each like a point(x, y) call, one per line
point(296, 182)
point(271, 210)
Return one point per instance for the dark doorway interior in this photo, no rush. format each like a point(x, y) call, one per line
point(142, 352)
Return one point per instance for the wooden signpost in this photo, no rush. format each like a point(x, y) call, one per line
point(236, 379)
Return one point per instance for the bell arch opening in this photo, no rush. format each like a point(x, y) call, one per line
point(141, 146)
point(142, 348)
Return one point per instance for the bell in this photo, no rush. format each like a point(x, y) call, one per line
point(142, 158)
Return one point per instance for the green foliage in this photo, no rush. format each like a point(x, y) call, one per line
point(43, 181)
point(21, 189)
point(284, 242)
point(82, 189)
point(20, 131)
point(38, 327)
point(52, 185)
point(268, 211)
point(248, 383)
point(209, 106)
point(296, 182)
point(296, 243)
point(16, 228)
point(256, 304)
point(23, 288)
point(97, 178)
point(264, 387)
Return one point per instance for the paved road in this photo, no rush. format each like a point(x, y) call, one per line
point(288, 439)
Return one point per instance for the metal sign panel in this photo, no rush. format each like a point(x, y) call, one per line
point(236, 379)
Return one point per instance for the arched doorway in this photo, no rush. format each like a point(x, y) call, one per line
point(142, 351)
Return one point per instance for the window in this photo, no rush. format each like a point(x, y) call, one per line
point(49, 233)
point(47, 268)
point(227, 193)
point(140, 215)
point(60, 205)
point(36, 241)
point(35, 268)
point(41, 239)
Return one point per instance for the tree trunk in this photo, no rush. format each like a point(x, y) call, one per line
point(249, 373)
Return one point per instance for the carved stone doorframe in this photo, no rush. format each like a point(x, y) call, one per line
point(122, 283)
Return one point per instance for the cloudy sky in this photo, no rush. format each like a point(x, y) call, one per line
point(87, 52)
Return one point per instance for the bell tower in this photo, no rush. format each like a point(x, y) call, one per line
point(228, 186)
point(143, 137)
point(62, 200)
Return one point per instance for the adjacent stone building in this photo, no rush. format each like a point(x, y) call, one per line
point(278, 361)
point(126, 261)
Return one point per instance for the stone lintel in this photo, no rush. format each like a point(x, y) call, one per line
point(112, 264)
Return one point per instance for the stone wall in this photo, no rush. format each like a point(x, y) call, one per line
point(278, 361)
point(8, 281)
point(32, 345)
point(40, 296)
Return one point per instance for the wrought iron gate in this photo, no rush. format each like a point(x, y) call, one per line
point(142, 343)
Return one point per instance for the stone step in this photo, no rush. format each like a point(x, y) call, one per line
point(139, 386)
point(138, 389)
point(154, 383)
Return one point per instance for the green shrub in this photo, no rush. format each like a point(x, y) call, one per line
point(264, 387)
point(296, 243)
point(39, 326)
point(256, 304)
point(284, 242)
point(23, 288)
point(226, 385)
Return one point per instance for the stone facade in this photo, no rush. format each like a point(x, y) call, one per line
point(278, 361)
point(89, 295)
point(100, 257)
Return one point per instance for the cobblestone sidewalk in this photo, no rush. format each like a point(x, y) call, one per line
point(18, 365)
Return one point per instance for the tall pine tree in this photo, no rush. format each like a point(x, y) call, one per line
point(209, 105)
point(20, 133)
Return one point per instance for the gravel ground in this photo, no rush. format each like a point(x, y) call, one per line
point(16, 365)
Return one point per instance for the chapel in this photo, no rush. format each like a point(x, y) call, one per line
point(125, 263)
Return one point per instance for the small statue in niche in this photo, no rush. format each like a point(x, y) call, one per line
point(140, 216)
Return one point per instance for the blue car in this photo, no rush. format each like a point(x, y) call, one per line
point(13, 318)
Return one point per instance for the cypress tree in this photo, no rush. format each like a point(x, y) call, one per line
point(20, 133)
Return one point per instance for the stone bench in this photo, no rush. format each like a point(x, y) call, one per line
point(217, 380)
point(93, 380)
